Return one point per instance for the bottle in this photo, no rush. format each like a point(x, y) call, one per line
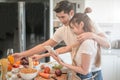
point(3, 67)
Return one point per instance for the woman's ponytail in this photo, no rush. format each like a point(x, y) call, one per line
point(87, 10)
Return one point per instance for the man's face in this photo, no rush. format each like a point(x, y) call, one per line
point(64, 17)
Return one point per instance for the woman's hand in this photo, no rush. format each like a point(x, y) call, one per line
point(56, 57)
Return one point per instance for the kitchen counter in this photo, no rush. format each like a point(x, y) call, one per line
point(111, 52)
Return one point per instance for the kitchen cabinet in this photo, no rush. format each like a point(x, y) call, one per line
point(109, 67)
point(118, 67)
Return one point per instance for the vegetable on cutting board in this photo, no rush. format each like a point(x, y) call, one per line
point(44, 75)
point(46, 70)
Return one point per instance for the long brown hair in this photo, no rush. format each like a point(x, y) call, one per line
point(88, 27)
point(78, 17)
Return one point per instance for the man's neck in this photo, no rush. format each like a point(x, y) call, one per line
point(66, 24)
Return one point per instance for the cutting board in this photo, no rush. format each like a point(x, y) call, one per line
point(62, 77)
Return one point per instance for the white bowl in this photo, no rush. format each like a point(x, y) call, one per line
point(28, 76)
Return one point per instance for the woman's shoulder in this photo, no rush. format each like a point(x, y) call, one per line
point(88, 41)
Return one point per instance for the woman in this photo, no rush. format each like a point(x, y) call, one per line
point(86, 56)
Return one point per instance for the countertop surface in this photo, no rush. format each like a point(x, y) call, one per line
point(111, 52)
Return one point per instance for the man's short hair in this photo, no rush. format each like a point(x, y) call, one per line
point(65, 6)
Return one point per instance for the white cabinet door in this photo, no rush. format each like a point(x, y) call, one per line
point(109, 64)
point(118, 67)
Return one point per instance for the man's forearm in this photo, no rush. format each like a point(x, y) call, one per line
point(62, 50)
point(67, 48)
point(102, 40)
point(45, 55)
point(35, 50)
point(39, 48)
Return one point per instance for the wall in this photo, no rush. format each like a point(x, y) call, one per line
point(106, 11)
point(106, 14)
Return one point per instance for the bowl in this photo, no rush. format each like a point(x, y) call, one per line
point(28, 73)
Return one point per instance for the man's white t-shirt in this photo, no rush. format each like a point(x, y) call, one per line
point(65, 34)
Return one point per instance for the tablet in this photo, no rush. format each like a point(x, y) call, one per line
point(51, 50)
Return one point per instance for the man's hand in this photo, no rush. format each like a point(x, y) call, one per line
point(84, 36)
point(36, 57)
point(17, 56)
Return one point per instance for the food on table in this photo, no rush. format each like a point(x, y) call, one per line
point(15, 68)
point(58, 72)
point(11, 59)
point(35, 63)
point(28, 73)
point(9, 67)
point(24, 61)
point(4, 66)
point(30, 62)
point(42, 66)
point(53, 77)
point(28, 70)
point(9, 75)
point(46, 70)
point(57, 66)
point(44, 75)
point(18, 62)
point(16, 65)
point(18, 75)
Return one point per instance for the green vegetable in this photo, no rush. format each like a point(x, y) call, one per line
point(57, 66)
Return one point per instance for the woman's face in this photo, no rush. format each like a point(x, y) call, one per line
point(77, 28)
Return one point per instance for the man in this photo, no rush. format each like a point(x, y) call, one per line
point(64, 11)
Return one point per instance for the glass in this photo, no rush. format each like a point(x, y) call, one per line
point(9, 52)
point(9, 56)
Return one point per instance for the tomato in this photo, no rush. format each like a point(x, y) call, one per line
point(9, 67)
point(15, 65)
point(35, 63)
point(46, 70)
point(18, 62)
